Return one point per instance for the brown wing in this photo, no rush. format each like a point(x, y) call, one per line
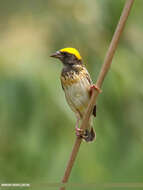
point(88, 78)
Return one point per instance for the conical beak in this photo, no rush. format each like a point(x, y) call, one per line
point(56, 55)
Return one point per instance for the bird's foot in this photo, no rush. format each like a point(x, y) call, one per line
point(79, 132)
point(94, 87)
point(86, 135)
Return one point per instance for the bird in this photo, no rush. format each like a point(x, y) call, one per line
point(78, 87)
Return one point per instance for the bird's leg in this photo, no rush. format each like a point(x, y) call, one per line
point(87, 135)
point(92, 87)
point(79, 132)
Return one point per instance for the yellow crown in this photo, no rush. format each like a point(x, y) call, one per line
point(71, 51)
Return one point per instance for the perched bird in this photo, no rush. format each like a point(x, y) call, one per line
point(77, 85)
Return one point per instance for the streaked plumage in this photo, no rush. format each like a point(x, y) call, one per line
point(76, 83)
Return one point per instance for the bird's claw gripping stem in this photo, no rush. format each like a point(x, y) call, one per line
point(87, 135)
point(93, 86)
point(79, 132)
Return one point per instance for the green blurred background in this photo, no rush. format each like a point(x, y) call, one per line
point(36, 124)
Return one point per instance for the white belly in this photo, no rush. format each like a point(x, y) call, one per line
point(77, 96)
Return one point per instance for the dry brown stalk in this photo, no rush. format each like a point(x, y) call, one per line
point(105, 68)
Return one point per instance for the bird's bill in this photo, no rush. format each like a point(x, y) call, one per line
point(56, 55)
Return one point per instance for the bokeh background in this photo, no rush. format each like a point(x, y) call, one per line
point(36, 124)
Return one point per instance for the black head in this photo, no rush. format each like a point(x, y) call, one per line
point(68, 56)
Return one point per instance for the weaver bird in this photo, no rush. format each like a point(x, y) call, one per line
point(77, 85)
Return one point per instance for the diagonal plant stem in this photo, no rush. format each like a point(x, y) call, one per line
point(104, 70)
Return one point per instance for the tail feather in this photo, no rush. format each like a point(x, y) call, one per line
point(94, 111)
point(90, 135)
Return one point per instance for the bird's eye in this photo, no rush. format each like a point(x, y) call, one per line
point(64, 53)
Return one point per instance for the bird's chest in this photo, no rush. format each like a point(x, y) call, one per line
point(76, 90)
